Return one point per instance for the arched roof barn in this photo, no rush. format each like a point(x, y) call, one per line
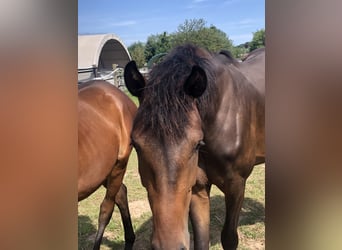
point(100, 52)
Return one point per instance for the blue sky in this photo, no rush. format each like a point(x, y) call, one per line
point(134, 21)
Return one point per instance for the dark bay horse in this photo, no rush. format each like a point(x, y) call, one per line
point(105, 118)
point(200, 122)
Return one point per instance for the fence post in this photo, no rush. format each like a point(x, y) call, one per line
point(94, 70)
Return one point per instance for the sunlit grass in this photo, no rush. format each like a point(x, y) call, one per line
point(251, 229)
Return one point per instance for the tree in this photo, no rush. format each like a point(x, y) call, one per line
point(239, 51)
point(258, 40)
point(192, 31)
point(156, 44)
point(136, 50)
point(190, 25)
point(195, 31)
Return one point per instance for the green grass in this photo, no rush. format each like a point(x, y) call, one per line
point(251, 228)
point(133, 98)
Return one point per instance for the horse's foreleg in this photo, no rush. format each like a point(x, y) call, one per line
point(234, 194)
point(122, 202)
point(107, 206)
point(200, 216)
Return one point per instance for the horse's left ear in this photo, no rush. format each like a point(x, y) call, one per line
point(196, 83)
point(134, 80)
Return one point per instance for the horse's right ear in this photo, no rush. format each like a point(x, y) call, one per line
point(196, 83)
point(134, 80)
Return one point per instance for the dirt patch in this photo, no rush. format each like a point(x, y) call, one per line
point(254, 244)
point(138, 208)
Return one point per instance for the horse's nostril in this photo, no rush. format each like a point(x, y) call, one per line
point(182, 247)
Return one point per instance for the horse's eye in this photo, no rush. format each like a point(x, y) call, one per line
point(200, 144)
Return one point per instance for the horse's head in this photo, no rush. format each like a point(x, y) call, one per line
point(167, 134)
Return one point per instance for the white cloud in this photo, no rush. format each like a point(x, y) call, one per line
point(247, 21)
point(195, 4)
point(230, 1)
point(124, 23)
point(244, 23)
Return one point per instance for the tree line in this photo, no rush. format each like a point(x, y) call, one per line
point(193, 31)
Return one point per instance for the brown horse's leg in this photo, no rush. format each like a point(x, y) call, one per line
point(200, 216)
point(234, 194)
point(107, 206)
point(122, 202)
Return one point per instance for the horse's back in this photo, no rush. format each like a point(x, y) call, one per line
point(102, 105)
point(104, 125)
point(253, 67)
point(94, 89)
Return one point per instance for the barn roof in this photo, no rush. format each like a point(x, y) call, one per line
point(101, 51)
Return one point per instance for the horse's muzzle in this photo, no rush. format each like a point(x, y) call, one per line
point(181, 247)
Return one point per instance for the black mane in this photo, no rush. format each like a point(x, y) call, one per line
point(229, 58)
point(165, 106)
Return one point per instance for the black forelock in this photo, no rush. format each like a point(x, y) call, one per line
point(165, 106)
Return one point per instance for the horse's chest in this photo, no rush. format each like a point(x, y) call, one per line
point(224, 162)
point(216, 168)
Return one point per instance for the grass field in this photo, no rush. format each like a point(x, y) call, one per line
point(251, 226)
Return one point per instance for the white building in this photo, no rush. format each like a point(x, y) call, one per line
point(101, 57)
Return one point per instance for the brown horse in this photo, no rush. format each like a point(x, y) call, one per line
point(200, 122)
point(105, 117)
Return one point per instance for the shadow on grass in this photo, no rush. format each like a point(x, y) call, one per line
point(252, 212)
point(87, 232)
point(143, 235)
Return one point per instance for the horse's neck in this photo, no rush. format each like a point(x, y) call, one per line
point(235, 101)
point(221, 123)
point(233, 92)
